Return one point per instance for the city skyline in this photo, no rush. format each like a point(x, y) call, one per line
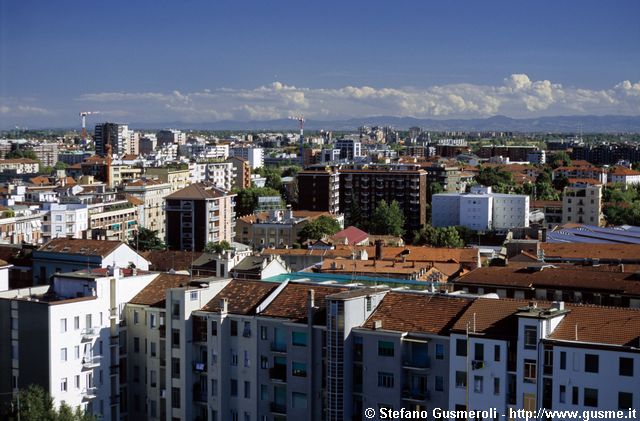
point(254, 61)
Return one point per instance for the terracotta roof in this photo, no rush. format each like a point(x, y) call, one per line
point(605, 325)
point(166, 260)
point(623, 171)
point(591, 181)
point(77, 246)
point(428, 254)
point(291, 302)
point(144, 182)
point(198, 191)
point(40, 180)
point(522, 276)
point(264, 216)
point(243, 296)
point(491, 317)
point(155, 292)
point(18, 161)
point(417, 312)
point(134, 200)
point(591, 251)
point(352, 234)
point(385, 268)
point(545, 204)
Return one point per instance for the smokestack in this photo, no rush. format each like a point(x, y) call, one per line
point(378, 244)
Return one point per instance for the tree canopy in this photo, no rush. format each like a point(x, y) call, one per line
point(22, 153)
point(35, 404)
point(318, 228)
point(146, 239)
point(247, 199)
point(217, 248)
point(387, 219)
point(499, 180)
point(438, 237)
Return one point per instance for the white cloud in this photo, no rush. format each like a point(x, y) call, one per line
point(517, 96)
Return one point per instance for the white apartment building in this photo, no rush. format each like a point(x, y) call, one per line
point(624, 175)
point(480, 210)
point(349, 148)
point(255, 156)
point(221, 174)
point(19, 166)
point(582, 203)
point(64, 337)
point(64, 220)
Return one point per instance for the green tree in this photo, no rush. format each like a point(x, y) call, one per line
point(560, 182)
point(247, 199)
point(22, 153)
point(387, 219)
point(146, 239)
point(217, 248)
point(274, 179)
point(318, 228)
point(438, 237)
point(60, 166)
point(499, 180)
point(35, 404)
point(291, 171)
point(355, 215)
point(560, 159)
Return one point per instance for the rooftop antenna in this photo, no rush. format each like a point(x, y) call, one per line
point(83, 115)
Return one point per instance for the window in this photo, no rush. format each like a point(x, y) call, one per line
point(496, 385)
point(234, 387)
point(175, 368)
point(263, 333)
point(247, 360)
point(563, 360)
point(439, 352)
point(136, 317)
point(175, 397)
point(299, 338)
point(461, 379)
point(299, 369)
point(590, 397)
point(575, 393)
point(76, 382)
point(478, 384)
point(63, 325)
point(299, 400)
point(368, 301)
point(264, 362)
point(496, 353)
point(461, 347)
point(214, 328)
point(152, 320)
point(591, 363)
point(76, 323)
point(214, 387)
point(153, 378)
point(175, 338)
point(264, 392)
point(625, 400)
point(63, 384)
point(194, 295)
point(530, 337)
point(234, 358)
point(153, 351)
point(529, 371)
point(246, 331)
point(479, 352)
point(626, 367)
point(63, 354)
point(385, 380)
point(439, 386)
point(136, 344)
point(247, 390)
point(385, 349)
point(175, 310)
point(136, 374)
point(563, 393)
point(76, 352)
point(234, 328)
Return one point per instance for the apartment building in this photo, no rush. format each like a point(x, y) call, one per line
point(590, 172)
point(221, 174)
point(241, 172)
point(198, 214)
point(64, 337)
point(116, 220)
point(177, 178)
point(152, 193)
point(255, 156)
point(480, 210)
point(115, 134)
point(350, 149)
point(319, 190)
point(68, 220)
point(582, 202)
point(624, 176)
point(19, 166)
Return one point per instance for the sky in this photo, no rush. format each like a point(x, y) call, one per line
point(154, 61)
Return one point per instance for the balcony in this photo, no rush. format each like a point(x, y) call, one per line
point(278, 408)
point(90, 333)
point(278, 373)
point(89, 393)
point(278, 347)
point(416, 362)
point(415, 394)
point(91, 362)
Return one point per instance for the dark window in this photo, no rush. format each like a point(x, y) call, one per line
point(136, 344)
point(175, 397)
point(439, 383)
point(175, 368)
point(575, 395)
point(563, 360)
point(590, 397)
point(496, 385)
point(214, 328)
point(626, 366)
point(234, 328)
point(530, 337)
point(496, 352)
point(479, 352)
point(385, 349)
point(175, 338)
point(385, 380)
point(439, 352)
point(563, 393)
point(591, 363)
point(625, 400)
point(234, 387)
point(461, 347)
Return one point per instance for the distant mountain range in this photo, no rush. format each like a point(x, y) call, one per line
point(562, 124)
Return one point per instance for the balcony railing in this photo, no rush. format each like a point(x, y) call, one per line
point(278, 347)
point(90, 333)
point(278, 408)
point(415, 394)
point(91, 362)
point(419, 363)
point(89, 393)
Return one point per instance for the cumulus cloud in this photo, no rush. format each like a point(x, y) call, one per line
point(517, 96)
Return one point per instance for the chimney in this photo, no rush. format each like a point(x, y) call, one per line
point(558, 305)
point(378, 244)
point(224, 305)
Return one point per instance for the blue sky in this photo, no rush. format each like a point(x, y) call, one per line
point(151, 61)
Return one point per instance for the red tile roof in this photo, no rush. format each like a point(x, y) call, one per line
point(591, 251)
point(77, 246)
point(417, 312)
point(243, 296)
point(352, 234)
point(197, 191)
point(155, 292)
point(604, 325)
point(291, 302)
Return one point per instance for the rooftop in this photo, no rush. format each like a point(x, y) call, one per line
point(197, 191)
point(291, 302)
point(243, 296)
point(100, 248)
point(154, 294)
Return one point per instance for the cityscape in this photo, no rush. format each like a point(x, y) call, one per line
point(271, 211)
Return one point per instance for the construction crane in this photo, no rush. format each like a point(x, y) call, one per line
point(84, 115)
point(300, 120)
